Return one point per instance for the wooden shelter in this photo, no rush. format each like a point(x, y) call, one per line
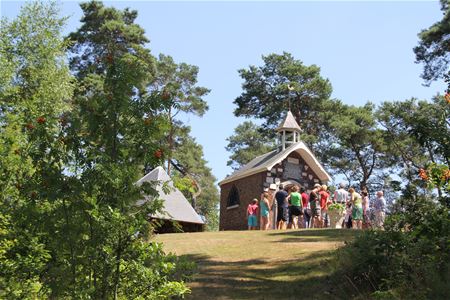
point(177, 209)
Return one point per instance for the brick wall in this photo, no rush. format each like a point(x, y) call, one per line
point(249, 188)
point(252, 187)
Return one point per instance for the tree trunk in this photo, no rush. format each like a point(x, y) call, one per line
point(171, 133)
point(117, 277)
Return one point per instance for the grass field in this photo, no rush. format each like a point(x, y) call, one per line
point(293, 264)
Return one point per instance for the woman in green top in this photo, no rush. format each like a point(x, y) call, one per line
point(357, 210)
point(295, 208)
point(264, 211)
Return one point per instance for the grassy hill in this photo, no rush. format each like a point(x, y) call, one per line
point(293, 264)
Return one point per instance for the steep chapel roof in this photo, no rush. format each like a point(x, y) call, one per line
point(267, 161)
point(289, 123)
point(176, 206)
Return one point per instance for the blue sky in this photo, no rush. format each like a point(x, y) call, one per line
point(363, 48)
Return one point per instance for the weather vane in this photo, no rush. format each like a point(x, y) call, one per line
point(290, 88)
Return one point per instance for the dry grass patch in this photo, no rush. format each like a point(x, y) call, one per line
point(290, 264)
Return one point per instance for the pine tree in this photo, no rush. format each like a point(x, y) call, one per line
point(177, 84)
point(247, 142)
point(284, 83)
point(195, 178)
point(434, 48)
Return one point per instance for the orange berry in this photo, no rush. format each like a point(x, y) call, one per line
point(158, 153)
point(423, 174)
point(447, 97)
point(446, 174)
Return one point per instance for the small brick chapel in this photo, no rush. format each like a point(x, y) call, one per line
point(292, 162)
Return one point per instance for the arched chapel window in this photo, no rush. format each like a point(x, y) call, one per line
point(233, 197)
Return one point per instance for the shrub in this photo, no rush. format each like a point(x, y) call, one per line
point(408, 260)
point(336, 207)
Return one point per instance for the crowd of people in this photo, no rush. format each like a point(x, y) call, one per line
point(295, 208)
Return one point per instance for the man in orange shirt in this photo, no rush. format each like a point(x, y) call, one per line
point(324, 196)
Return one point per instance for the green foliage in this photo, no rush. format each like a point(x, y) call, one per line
point(433, 49)
point(408, 260)
point(397, 120)
point(35, 85)
point(22, 258)
point(411, 258)
point(356, 147)
point(267, 91)
point(196, 180)
point(430, 127)
point(150, 264)
point(184, 184)
point(247, 142)
point(177, 84)
point(115, 128)
point(416, 133)
point(438, 176)
point(336, 206)
point(71, 150)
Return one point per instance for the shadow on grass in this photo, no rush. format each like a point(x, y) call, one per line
point(315, 235)
point(309, 277)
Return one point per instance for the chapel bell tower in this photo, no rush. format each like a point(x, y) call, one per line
point(288, 131)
